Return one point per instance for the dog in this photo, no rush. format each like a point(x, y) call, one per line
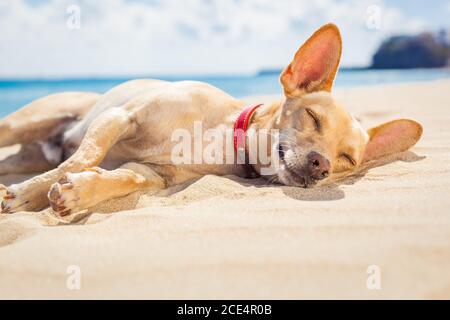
point(127, 132)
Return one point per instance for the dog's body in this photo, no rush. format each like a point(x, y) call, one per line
point(129, 129)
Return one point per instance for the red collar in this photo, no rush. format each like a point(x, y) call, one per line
point(241, 126)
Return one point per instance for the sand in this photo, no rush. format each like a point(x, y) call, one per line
point(224, 237)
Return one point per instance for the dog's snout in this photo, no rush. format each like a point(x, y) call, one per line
point(318, 166)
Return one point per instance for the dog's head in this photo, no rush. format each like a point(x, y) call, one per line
point(319, 137)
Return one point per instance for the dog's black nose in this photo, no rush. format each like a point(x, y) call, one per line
point(318, 166)
point(281, 153)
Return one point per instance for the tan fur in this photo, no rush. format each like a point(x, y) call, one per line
point(130, 128)
point(330, 33)
point(41, 118)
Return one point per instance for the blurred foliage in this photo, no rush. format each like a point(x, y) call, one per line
point(426, 50)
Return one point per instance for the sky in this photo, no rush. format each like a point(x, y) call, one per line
point(45, 38)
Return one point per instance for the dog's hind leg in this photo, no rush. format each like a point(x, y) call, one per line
point(79, 191)
point(103, 133)
point(32, 158)
point(45, 117)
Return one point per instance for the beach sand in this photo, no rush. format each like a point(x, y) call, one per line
point(224, 237)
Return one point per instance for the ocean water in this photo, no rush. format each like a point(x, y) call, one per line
point(16, 93)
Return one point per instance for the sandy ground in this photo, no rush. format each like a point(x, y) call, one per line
point(231, 238)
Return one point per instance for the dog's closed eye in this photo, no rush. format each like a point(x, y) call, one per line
point(315, 119)
point(349, 159)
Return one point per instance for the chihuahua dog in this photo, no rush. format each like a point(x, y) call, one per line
point(127, 132)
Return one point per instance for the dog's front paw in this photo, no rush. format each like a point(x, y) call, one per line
point(13, 201)
point(3, 191)
point(63, 197)
point(72, 193)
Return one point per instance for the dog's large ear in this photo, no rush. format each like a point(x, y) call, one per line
point(315, 64)
point(392, 137)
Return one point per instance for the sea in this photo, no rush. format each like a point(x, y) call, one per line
point(16, 93)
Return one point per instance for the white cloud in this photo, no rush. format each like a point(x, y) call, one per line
point(178, 36)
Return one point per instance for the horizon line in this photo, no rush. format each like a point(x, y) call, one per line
point(259, 72)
